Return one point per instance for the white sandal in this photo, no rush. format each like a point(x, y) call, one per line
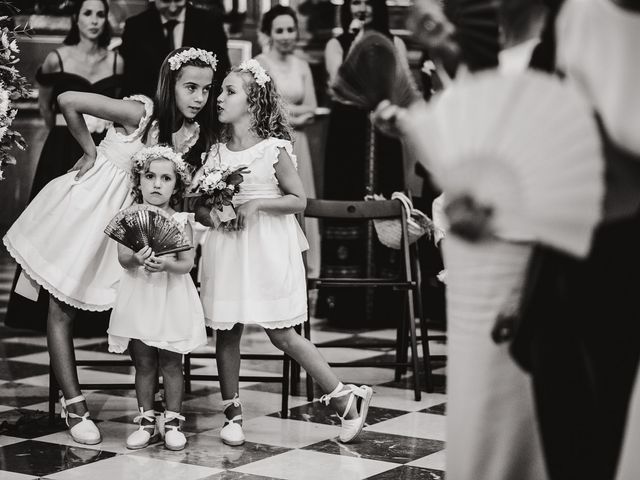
point(142, 437)
point(231, 433)
point(84, 432)
point(351, 428)
point(174, 439)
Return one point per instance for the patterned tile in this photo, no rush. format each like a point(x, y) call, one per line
point(312, 465)
point(12, 370)
point(405, 472)
point(435, 461)
point(440, 409)
point(319, 413)
point(20, 395)
point(25, 423)
point(381, 446)
point(140, 468)
point(209, 451)
point(415, 424)
point(43, 459)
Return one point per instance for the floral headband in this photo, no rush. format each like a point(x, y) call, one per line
point(176, 61)
point(158, 152)
point(259, 73)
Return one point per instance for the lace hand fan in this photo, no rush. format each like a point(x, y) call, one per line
point(140, 226)
point(372, 72)
point(524, 146)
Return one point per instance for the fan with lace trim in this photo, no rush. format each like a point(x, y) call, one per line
point(373, 72)
point(526, 147)
point(144, 225)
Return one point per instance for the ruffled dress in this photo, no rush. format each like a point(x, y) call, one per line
point(59, 239)
point(255, 275)
point(161, 309)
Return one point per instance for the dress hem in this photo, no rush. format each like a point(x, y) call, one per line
point(267, 325)
point(50, 288)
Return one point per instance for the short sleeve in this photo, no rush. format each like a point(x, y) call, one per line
point(275, 144)
point(183, 218)
point(146, 118)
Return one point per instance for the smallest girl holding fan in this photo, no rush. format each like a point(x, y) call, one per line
point(252, 268)
point(157, 313)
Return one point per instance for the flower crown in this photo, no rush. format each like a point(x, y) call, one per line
point(176, 61)
point(259, 73)
point(161, 151)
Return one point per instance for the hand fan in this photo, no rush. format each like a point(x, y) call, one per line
point(145, 225)
point(527, 147)
point(477, 31)
point(372, 72)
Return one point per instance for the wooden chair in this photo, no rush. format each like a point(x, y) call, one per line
point(409, 282)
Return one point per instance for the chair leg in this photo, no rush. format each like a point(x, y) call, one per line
point(187, 373)
point(309, 380)
point(414, 346)
point(286, 366)
point(402, 344)
point(53, 395)
point(424, 333)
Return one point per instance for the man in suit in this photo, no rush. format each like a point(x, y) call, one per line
point(168, 24)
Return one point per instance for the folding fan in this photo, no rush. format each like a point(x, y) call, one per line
point(477, 31)
point(372, 72)
point(145, 225)
point(527, 147)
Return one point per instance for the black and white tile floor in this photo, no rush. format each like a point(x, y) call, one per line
point(403, 439)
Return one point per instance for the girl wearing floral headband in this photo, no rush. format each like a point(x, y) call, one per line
point(157, 314)
point(253, 271)
point(59, 241)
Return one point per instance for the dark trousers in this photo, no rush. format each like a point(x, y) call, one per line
point(580, 338)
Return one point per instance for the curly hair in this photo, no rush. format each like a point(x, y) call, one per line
point(268, 115)
point(139, 168)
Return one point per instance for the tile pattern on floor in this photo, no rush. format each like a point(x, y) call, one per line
point(402, 440)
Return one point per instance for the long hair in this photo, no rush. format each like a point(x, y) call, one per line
point(165, 111)
point(379, 16)
point(73, 36)
point(275, 12)
point(268, 115)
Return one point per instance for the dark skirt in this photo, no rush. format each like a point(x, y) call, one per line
point(352, 249)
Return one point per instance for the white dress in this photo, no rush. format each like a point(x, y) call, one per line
point(255, 275)
point(161, 309)
point(59, 239)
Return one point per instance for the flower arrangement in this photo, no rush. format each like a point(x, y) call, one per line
point(176, 60)
point(259, 73)
point(216, 186)
point(12, 87)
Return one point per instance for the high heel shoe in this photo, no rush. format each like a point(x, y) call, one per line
point(84, 432)
point(143, 437)
point(231, 433)
point(351, 428)
point(174, 439)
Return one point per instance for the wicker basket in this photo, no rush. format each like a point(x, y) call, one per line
point(390, 231)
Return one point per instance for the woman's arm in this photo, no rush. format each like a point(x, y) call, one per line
point(294, 199)
point(309, 103)
point(332, 58)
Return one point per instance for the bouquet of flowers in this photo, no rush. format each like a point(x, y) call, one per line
point(12, 87)
point(216, 186)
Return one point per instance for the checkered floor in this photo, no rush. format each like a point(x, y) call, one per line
point(403, 439)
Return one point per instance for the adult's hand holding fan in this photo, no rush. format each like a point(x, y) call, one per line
point(373, 72)
point(143, 225)
point(523, 148)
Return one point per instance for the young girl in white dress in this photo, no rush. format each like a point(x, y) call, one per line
point(252, 268)
point(59, 241)
point(158, 314)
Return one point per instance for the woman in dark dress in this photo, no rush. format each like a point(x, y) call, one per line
point(84, 64)
point(349, 249)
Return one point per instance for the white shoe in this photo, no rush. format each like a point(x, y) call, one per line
point(146, 434)
point(351, 428)
point(174, 439)
point(84, 432)
point(231, 433)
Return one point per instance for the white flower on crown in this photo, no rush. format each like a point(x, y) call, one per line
point(162, 151)
point(259, 73)
point(177, 60)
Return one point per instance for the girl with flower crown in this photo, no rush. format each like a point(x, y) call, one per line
point(157, 314)
point(252, 267)
point(59, 241)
